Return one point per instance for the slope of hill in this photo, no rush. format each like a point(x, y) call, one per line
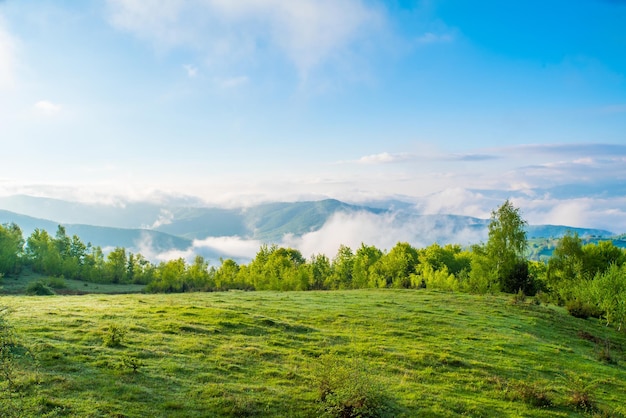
point(272, 221)
point(122, 215)
point(266, 354)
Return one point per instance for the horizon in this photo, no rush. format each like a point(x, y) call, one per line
point(451, 107)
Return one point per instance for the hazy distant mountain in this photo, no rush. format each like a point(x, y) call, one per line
point(100, 236)
point(126, 215)
point(557, 231)
point(166, 227)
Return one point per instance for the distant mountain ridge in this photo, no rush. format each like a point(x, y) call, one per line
point(165, 227)
point(103, 236)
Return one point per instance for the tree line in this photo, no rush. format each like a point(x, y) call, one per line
point(590, 279)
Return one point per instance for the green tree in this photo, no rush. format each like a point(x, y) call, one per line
point(320, 270)
point(597, 258)
point(394, 269)
point(226, 276)
point(139, 269)
point(43, 254)
point(505, 249)
point(366, 256)
point(11, 249)
point(565, 268)
point(199, 276)
point(116, 266)
point(341, 269)
point(62, 242)
point(170, 277)
point(608, 291)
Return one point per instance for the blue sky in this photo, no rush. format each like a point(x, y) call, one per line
point(453, 105)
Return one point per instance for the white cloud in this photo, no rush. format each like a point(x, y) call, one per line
point(8, 59)
point(307, 32)
point(231, 82)
point(47, 108)
point(191, 70)
point(165, 218)
point(231, 246)
point(456, 200)
point(585, 212)
point(381, 230)
point(384, 158)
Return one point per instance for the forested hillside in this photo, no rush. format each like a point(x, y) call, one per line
point(588, 278)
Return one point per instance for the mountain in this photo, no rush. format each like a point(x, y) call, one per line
point(175, 225)
point(114, 214)
point(557, 231)
point(105, 237)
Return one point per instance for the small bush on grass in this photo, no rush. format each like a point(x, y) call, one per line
point(113, 335)
point(131, 363)
point(38, 288)
point(580, 392)
point(56, 283)
point(583, 310)
point(531, 394)
point(347, 389)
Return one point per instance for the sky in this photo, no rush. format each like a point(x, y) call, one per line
point(451, 105)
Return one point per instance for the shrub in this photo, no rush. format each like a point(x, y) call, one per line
point(603, 351)
point(531, 394)
point(580, 392)
point(56, 283)
point(113, 335)
point(519, 297)
point(583, 310)
point(38, 288)
point(347, 390)
point(130, 362)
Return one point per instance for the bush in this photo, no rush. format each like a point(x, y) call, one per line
point(56, 283)
point(531, 394)
point(113, 335)
point(131, 363)
point(38, 288)
point(580, 392)
point(347, 390)
point(579, 309)
point(519, 278)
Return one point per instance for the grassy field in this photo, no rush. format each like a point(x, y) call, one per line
point(16, 285)
point(266, 354)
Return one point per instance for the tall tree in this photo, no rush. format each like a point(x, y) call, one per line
point(505, 249)
point(116, 265)
point(11, 249)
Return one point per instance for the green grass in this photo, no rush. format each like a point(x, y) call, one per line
point(16, 285)
point(258, 354)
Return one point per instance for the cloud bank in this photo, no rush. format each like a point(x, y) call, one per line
point(308, 33)
point(47, 108)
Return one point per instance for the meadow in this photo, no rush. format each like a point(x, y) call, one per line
point(272, 354)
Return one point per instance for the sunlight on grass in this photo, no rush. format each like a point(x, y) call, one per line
point(257, 354)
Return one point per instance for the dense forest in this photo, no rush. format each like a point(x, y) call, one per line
point(589, 279)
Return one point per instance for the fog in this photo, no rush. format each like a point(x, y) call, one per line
point(352, 229)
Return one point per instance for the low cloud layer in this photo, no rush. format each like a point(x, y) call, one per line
point(352, 229)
